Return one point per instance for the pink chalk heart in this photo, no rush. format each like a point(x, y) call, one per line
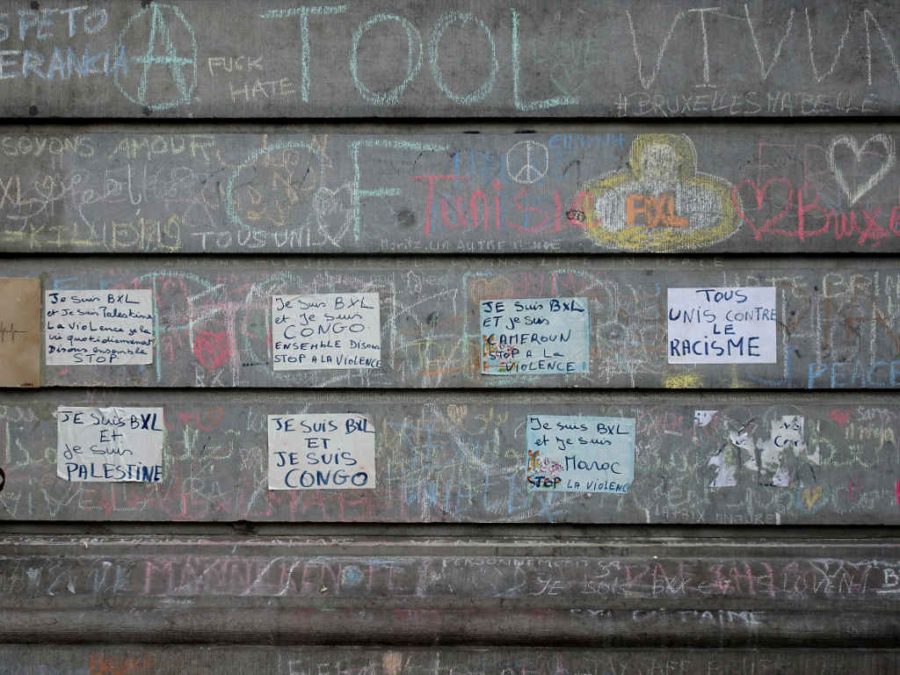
point(212, 349)
point(841, 417)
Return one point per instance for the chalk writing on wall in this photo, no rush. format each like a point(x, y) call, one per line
point(429, 446)
point(163, 74)
point(580, 454)
point(535, 336)
point(20, 332)
point(109, 445)
point(49, 45)
point(321, 451)
point(157, 191)
point(101, 327)
point(326, 331)
point(660, 202)
point(722, 325)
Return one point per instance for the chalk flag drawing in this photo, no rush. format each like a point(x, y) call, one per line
point(722, 325)
point(99, 327)
point(321, 452)
point(889, 158)
point(110, 445)
point(659, 202)
point(580, 454)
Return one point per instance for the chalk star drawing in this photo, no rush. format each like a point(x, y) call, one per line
point(155, 93)
point(527, 162)
point(659, 202)
point(854, 194)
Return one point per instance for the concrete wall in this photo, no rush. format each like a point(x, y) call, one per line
point(141, 659)
point(631, 59)
point(410, 190)
point(836, 323)
point(462, 458)
point(437, 156)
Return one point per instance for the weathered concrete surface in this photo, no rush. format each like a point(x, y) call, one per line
point(462, 458)
point(744, 189)
point(625, 571)
point(235, 624)
point(836, 322)
point(144, 660)
point(506, 590)
point(284, 660)
point(207, 58)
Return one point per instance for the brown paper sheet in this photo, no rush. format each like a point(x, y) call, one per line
point(20, 332)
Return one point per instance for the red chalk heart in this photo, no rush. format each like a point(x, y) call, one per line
point(841, 417)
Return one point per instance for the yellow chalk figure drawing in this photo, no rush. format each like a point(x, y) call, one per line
point(660, 202)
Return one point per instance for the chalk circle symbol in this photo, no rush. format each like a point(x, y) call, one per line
point(161, 27)
point(527, 162)
point(234, 184)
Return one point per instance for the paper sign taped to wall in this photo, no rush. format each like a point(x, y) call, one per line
point(20, 332)
point(110, 445)
point(326, 331)
point(535, 336)
point(722, 325)
point(580, 454)
point(321, 452)
point(103, 327)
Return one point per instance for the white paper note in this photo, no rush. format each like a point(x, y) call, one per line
point(321, 452)
point(109, 328)
point(722, 325)
point(580, 454)
point(326, 331)
point(110, 445)
point(535, 336)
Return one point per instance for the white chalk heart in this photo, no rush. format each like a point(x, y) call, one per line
point(890, 158)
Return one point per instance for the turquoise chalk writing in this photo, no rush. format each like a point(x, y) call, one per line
point(304, 13)
point(517, 96)
point(413, 59)
point(358, 193)
point(433, 51)
point(161, 52)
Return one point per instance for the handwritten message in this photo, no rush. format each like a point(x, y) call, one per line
point(534, 336)
point(722, 325)
point(110, 445)
point(321, 452)
point(20, 332)
point(580, 454)
point(109, 328)
point(327, 331)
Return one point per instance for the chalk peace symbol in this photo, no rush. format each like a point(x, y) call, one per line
point(527, 162)
point(165, 77)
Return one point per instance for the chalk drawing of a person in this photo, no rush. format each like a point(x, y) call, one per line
point(660, 202)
